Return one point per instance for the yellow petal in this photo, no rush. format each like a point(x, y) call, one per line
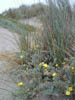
point(70, 88)
point(41, 64)
point(56, 65)
point(20, 84)
point(68, 93)
point(54, 74)
point(63, 63)
point(72, 68)
point(45, 65)
point(21, 57)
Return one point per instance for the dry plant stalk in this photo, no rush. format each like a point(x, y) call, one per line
point(12, 62)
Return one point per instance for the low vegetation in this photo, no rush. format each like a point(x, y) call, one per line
point(14, 25)
point(26, 11)
point(48, 66)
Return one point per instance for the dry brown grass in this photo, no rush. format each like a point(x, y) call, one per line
point(11, 61)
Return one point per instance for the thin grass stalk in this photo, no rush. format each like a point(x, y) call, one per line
point(57, 27)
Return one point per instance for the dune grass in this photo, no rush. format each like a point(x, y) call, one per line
point(15, 26)
point(24, 31)
point(49, 67)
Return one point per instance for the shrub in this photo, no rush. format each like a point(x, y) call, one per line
point(39, 77)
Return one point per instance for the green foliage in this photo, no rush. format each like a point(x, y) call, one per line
point(15, 26)
point(24, 94)
point(40, 80)
point(57, 34)
point(12, 14)
point(48, 66)
point(57, 71)
point(25, 11)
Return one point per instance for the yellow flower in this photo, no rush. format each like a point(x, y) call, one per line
point(45, 65)
point(68, 93)
point(72, 68)
point(20, 84)
point(56, 65)
point(63, 63)
point(54, 74)
point(70, 88)
point(41, 64)
point(21, 57)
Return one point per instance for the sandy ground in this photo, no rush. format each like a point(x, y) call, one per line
point(7, 85)
point(7, 44)
point(8, 41)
